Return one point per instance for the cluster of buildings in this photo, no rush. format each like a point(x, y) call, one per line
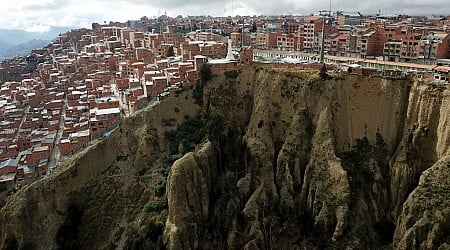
point(349, 34)
point(87, 80)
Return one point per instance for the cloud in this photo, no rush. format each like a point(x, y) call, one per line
point(42, 14)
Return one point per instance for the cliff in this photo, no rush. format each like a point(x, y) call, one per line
point(272, 158)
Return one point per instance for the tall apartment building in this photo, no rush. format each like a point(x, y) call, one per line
point(391, 51)
point(434, 46)
point(365, 43)
point(337, 45)
point(267, 40)
point(312, 29)
point(287, 42)
point(410, 46)
point(241, 39)
point(291, 26)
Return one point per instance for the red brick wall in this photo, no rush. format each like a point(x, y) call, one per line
point(7, 170)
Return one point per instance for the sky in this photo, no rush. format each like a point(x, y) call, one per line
point(41, 15)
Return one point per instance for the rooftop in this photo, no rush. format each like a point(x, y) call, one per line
point(9, 162)
point(107, 111)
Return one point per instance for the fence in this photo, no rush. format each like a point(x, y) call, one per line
point(145, 105)
point(113, 127)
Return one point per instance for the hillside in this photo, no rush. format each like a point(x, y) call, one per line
point(4, 46)
point(262, 158)
point(23, 49)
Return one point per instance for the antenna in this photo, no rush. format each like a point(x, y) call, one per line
point(330, 8)
point(232, 8)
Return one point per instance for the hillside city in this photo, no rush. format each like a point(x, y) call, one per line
point(59, 99)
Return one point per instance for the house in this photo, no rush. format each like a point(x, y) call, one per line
point(157, 85)
point(337, 45)
point(37, 153)
point(102, 119)
point(434, 46)
point(8, 166)
point(391, 51)
point(410, 46)
point(287, 42)
point(442, 74)
point(8, 181)
point(312, 29)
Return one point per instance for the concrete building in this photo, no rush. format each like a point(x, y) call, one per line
point(349, 18)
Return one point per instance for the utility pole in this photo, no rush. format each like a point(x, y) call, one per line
point(324, 14)
point(242, 33)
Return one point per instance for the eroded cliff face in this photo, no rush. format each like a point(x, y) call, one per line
point(110, 183)
point(327, 163)
point(425, 220)
point(287, 160)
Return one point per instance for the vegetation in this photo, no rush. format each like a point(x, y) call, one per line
point(160, 188)
point(232, 74)
point(205, 73)
point(205, 76)
point(355, 161)
point(149, 236)
point(15, 75)
point(170, 52)
point(197, 93)
point(361, 163)
point(323, 72)
point(155, 205)
point(186, 136)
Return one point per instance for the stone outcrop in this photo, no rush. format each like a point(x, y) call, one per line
point(424, 222)
point(335, 158)
point(188, 188)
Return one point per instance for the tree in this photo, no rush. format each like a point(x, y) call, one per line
point(170, 52)
point(214, 129)
point(254, 27)
point(323, 72)
point(205, 73)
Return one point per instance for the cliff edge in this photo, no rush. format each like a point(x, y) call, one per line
point(255, 159)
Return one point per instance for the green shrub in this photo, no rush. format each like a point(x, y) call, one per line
point(155, 205)
point(151, 206)
point(188, 134)
point(149, 236)
point(205, 73)
point(160, 188)
point(232, 74)
point(323, 72)
point(197, 93)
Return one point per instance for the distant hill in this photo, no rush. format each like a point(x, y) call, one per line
point(24, 49)
point(4, 46)
point(19, 42)
point(15, 37)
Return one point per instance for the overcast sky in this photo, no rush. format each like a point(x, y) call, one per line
point(40, 15)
